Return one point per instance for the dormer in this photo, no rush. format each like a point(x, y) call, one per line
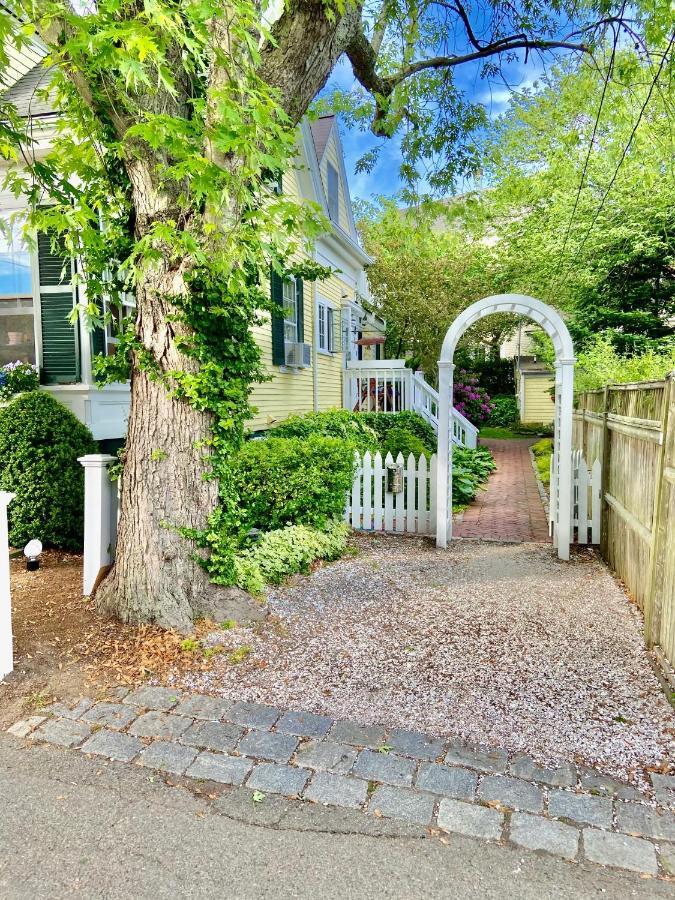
point(330, 157)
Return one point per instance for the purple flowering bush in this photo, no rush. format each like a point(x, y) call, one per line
point(471, 400)
point(17, 378)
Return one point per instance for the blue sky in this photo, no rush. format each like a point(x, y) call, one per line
point(493, 94)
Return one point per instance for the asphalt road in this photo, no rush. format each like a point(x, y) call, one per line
point(75, 826)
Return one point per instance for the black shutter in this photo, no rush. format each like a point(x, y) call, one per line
point(300, 301)
point(277, 295)
point(60, 358)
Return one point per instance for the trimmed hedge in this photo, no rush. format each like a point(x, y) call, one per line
point(337, 423)
point(40, 441)
point(286, 551)
point(382, 424)
point(400, 440)
point(299, 481)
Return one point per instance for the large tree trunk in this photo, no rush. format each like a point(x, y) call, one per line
point(165, 482)
point(155, 577)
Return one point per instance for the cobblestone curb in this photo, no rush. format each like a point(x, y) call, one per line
point(543, 493)
point(578, 815)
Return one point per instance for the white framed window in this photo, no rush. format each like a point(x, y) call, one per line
point(290, 307)
point(326, 327)
point(17, 309)
point(118, 312)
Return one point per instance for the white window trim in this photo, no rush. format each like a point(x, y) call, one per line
point(326, 350)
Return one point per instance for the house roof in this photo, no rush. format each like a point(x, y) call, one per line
point(321, 129)
point(26, 96)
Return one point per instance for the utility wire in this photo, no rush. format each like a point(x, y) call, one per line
point(591, 143)
point(628, 145)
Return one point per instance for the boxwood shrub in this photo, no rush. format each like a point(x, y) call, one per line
point(40, 441)
point(382, 423)
point(401, 440)
point(299, 481)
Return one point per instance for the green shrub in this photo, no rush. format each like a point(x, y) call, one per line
point(543, 450)
point(286, 551)
point(282, 481)
point(337, 423)
point(40, 441)
point(382, 423)
point(599, 364)
point(504, 411)
point(400, 440)
point(470, 469)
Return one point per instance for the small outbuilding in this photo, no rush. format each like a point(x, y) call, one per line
point(535, 382)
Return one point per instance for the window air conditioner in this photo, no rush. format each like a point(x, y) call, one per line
point(299, 356)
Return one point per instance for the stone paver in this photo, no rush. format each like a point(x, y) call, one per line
point(620, 850)
point(304, 724)
point(608, 787)
point(111, 715)
point(63, 732)
point(150, 697)
point(114, 745)
point(474, 821)
point(537, 833)
point(483, 760)
point(325, 755)
point(23, 728)
point(68, 710)
point(167, 757)
point(581, 808)
point(278, 779)
point(268, 745)
point(213, 735)
point(200, 706)
point(337, 790)
point(664, 788)
point(221, 768)
point(449, 781)
point(360, 735)
point(667, 858)
point(159, 725)
point(400, 779)
point(564, 775)
point(510, 509)
point(402, 803)
point(512, 792)
point(636, 819)
point(413, 743)
point(253, 715)
point(386, 767)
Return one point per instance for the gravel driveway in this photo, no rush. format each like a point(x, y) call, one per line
point(495, 644)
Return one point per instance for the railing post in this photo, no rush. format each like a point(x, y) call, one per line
point(100, 515)
point(6, 644)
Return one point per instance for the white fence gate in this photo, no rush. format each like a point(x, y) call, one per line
point(393, 495)
point(586, 504)
point(6, 644)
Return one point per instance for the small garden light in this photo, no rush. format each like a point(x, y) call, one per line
point(32, 552)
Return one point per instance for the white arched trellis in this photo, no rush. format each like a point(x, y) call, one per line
point(555, 328)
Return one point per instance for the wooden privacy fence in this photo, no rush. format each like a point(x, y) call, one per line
point(393, 495)
point(631, 428)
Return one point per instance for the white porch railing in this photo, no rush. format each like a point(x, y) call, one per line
point(387, 385)
point(6, 644)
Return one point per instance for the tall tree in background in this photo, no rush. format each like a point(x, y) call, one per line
point(583, 204)
point(177, 114)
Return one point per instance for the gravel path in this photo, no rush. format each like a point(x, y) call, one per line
point(495, 644)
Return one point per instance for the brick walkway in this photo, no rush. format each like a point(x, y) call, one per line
point(511, 508)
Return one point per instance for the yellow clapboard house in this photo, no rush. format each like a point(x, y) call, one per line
point(320, 326)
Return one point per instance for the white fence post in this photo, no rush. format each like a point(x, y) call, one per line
point(6, 645)
point(100, 517)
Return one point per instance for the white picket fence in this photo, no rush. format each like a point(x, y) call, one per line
point(409, 508)
point(586, 498)
point(6, 644)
